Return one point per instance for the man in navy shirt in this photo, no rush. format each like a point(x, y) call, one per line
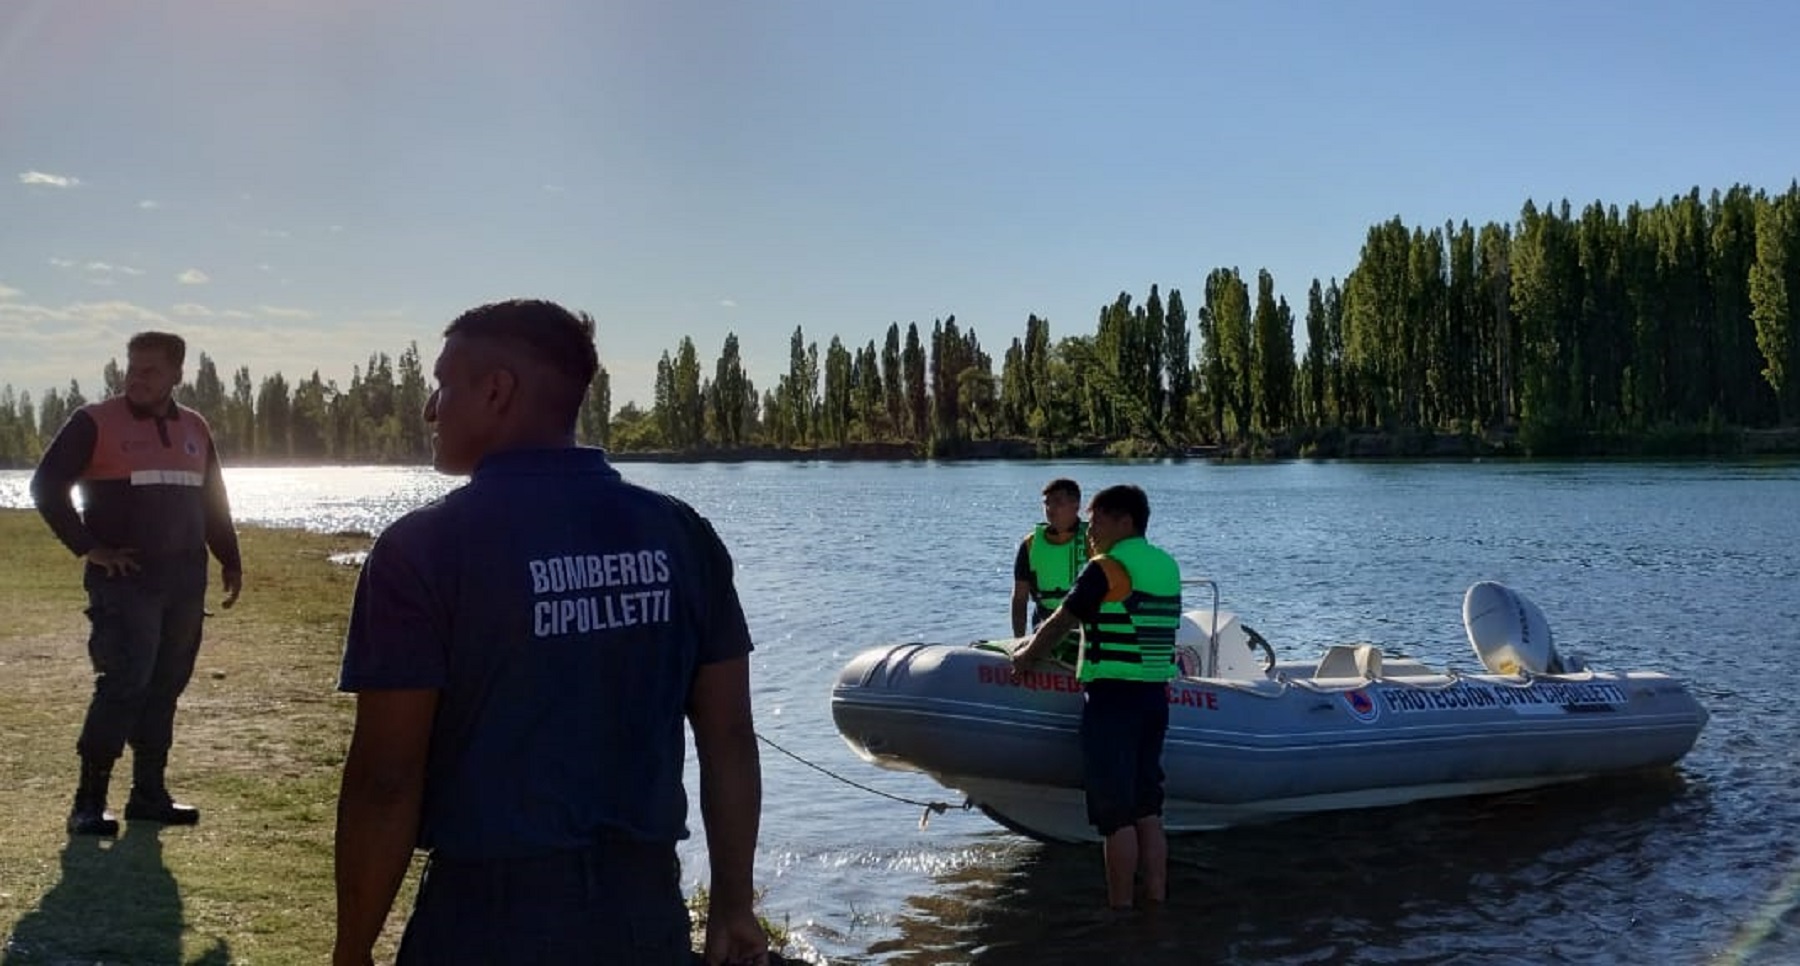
point(524, 653)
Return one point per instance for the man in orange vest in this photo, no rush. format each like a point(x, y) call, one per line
point(153, 505)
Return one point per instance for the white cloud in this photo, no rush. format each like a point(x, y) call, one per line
point(193, 276)
point(728, 303)
point(149, 205)
point(7, 292)
point(265, 267)
point(335, 229)
point(45, 178)
point(277, 312)
point(16, 316)
point(191, 310)
point(96, 272)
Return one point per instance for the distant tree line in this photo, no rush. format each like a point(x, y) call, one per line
point(1686, 313)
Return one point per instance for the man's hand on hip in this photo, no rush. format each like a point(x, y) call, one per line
point(116, 561)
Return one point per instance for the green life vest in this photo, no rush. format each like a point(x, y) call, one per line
point(1054, 566)
point(1134, 639)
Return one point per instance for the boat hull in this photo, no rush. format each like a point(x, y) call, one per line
point(1249, 750)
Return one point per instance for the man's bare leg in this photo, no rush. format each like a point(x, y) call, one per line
point(1121, 865)
point(1152, 857)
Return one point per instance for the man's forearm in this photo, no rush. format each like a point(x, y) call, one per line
point(375, 837)
point(731, 806)
point(1047, 635)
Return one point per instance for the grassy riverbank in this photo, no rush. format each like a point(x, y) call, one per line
point(258, 744)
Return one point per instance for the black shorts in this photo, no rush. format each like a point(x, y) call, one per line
point(1122, 729)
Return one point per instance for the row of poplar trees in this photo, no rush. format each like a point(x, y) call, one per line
point(1683, 313)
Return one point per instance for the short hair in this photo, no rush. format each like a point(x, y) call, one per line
point(1124, 498)
point(172, 346)
point(1063, 484)
point(552, 336)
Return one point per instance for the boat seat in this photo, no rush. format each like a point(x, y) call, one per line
point(1350, 661)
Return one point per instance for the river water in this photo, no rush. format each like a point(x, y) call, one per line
point(1689, 568)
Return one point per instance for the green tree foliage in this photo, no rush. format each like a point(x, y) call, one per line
point(593, 424)
point(20, 443)
point(413, 440)
point(53, 411)
point(240, 412)
point(1272, 356)
point(893, 384)
point(1178, 367)
point(1225, 339)
point(868, 404)
point(912, 370)
point(954, 352)
point(798, 394)
point(730, 390)
point(274, 415)
point(1775, 298)
point(309, 420)
point(836, 408)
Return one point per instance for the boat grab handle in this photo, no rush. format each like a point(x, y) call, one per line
point(1212, 637)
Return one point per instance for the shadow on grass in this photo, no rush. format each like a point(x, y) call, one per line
point(116, 903)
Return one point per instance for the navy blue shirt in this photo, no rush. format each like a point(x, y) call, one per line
point(561, 613)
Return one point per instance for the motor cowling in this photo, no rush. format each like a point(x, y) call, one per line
point(1508, 632)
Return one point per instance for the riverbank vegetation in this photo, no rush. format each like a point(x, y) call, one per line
point(1657, 330)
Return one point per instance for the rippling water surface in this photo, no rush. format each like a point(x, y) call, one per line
point(1688, 568)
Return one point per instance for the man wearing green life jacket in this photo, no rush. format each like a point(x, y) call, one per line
point(1127, 600)
point(1048, 559)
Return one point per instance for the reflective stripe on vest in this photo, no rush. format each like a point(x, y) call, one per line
point(1055, 565)
point(1134, 639)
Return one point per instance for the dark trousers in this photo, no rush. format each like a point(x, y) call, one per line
point(1123, 724)
point(144, 639)
point(617, 902)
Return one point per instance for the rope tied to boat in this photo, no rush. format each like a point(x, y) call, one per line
point(930, 808)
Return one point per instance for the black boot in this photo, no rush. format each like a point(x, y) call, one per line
point(89, 816)
point(150, 800)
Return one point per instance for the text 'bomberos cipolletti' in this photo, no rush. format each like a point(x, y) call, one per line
point(583, 593)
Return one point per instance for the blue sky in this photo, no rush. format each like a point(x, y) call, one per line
point(296, 184)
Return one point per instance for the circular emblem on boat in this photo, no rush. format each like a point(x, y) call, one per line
point(1362, 707)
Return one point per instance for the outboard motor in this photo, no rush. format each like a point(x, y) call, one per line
point(1235, 656)
point(1509, 633)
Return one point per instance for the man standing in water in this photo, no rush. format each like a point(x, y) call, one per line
point(153, 504)
point(524, 652)
point(1128, 598)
